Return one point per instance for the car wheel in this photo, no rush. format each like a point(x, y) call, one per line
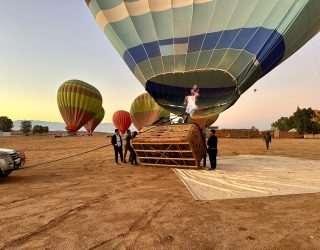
point(5, 173)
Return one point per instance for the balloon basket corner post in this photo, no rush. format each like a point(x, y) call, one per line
point(178, 146)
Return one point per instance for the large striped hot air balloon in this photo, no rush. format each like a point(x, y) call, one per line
point(145, 111)
point(222, 46)
point(78, 102)
point(94, 121)
point(121, 120)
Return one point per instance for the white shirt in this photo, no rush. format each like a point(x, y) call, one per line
point(118, 140)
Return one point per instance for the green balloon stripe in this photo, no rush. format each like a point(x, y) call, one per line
point(88, 103)
point(80, 88)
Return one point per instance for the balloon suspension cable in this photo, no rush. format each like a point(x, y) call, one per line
point(94, 149)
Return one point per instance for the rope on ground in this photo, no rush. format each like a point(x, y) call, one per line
point(66, 157)
point(91, 150)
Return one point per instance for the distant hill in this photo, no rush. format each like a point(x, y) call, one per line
point(60, 126)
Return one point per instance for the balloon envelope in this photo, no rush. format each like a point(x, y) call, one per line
point(94, 121)
point(78, 102)
point(222, 46)
point(145, 111)
point(121, 120)
point(203, 120)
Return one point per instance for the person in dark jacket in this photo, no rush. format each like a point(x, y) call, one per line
point(267, 139)
point(117, 145)
point(212, 149)
point(133, 156)
point(204, 136)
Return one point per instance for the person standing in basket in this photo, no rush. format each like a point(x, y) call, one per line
point(212, 149)
point(127, 146)
point(117, 145)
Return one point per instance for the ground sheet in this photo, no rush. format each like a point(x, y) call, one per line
point(246, 176)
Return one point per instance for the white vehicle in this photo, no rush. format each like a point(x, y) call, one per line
point(9, 161)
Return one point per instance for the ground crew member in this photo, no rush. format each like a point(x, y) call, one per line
point(212, 149)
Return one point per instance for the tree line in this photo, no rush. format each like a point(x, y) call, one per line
point(305, 121)
point(26, 128)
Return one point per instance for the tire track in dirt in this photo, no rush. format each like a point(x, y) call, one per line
point(38, 195)
point(142, 229)
point(43, 194)
point(138, 226)
point(292, 232)
point(52, 223)
point(57, 220)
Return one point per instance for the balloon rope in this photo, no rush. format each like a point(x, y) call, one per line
point(94, 149)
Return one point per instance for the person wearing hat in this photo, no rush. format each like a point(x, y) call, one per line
point(212, 144)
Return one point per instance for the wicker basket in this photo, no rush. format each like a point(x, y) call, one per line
point(170, 146)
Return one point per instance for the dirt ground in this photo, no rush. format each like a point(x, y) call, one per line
point(88, 202)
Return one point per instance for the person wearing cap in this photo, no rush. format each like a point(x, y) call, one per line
point(212, 144)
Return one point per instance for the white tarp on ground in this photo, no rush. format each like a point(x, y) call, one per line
point(246, 176)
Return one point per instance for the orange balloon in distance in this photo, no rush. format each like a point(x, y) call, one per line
point(121, 120)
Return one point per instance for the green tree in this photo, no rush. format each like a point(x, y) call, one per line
point(284, 123)
point(6, 124)
point(41, 130)
point(315, 127)
point(253, 128)
point(303, 121)
point(25, 127)
point(37, 129)
point(46, 129)
point(316, 122)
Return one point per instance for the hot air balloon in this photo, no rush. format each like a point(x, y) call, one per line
point(78, 102)
point(121, 120)
point(204, 120)
point(94, 121)
point(222, 46)
point(145, 111)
